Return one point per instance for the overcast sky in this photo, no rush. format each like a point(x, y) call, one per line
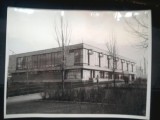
point(33, 29)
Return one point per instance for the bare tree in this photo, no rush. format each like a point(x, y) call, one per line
point(62, 32)
point(63, 35)
point(112, 50)
point(138, 26)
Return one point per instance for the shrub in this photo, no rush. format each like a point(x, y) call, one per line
point(124, 99)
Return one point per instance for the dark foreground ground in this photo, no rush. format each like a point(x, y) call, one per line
point(53, 107)
point(123, 99)
point(42, 106)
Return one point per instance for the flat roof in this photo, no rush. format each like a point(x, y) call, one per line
point(75, 46)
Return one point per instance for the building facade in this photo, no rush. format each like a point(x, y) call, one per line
point(82, 63)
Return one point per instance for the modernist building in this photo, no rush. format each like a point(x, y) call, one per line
point(82, 62)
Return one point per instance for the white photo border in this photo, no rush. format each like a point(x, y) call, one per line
point(148, 100)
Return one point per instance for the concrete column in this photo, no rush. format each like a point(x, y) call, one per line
point(130, 77)
point(81, 73)
point(134, 77)
point(108, 58)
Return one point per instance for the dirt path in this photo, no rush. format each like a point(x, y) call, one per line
point(22, 98)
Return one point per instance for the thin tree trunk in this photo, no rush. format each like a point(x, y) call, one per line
point(114, 80)
point(63, 34)
point(63, 54)
point(63, 79)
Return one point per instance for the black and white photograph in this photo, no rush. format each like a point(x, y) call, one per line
point(77, 63)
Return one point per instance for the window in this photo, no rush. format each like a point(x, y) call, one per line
point(48, 60)
point(19, 63)
point(53, 59)
point(57, 58)
point(29, 62)
point(106, 75)
point(24, 63)
point(71, 51)
point(60, 57)
point(109, 75)
point(101, 74)
point(74, 74)
point(78, 57)
point(116, 76)
point(41, 60)
point(35, 61)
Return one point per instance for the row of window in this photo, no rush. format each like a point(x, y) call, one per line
point(81, 56)
point(50, 60)
point(40, 61)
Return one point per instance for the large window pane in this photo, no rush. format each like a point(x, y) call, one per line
point(42, 60)
point(35, 61)
point(48, 60)
point(78, 56)
point(19, 63)
point(29, 62)
point(24, 63)
point(74, 74)
point(58, 58)
point(53, 59)
point(39, 61)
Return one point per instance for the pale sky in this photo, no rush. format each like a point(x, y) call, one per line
point(33, 29)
